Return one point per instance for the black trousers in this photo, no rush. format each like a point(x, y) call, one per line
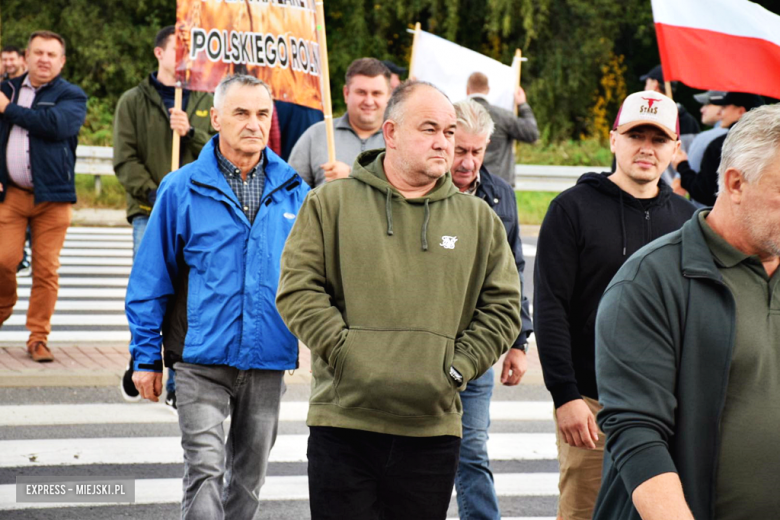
point(359, 475)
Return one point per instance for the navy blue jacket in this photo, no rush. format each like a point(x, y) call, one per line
point(197, 229)
point(53, 123)
point(501, 197)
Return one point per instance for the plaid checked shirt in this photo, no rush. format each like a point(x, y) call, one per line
point(249, 193)
point(17, 152)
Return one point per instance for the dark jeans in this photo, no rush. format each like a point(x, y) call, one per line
point(359, 475)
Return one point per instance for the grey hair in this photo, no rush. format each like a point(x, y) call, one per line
point(401, 95)
point(474, 118)
point(237, 79)
point(751, 144)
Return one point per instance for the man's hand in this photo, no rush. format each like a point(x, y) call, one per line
point(677, 187)
point(4, 102)
point(180, 123)
point(336, 170)
point(577, 424)
point(679, 157)
point(515, 365)
point(149, 384)
point(520, 96)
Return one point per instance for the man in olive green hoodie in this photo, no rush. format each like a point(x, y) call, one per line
point(144, 123)
point(405, 290)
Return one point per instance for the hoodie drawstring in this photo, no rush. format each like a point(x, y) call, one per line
point(623, 222)
point(425, 227)
point(389, 211)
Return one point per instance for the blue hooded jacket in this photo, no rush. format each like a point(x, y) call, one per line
point(201, 255)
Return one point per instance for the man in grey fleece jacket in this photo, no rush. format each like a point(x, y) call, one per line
point(500, 153)
point(366, 91)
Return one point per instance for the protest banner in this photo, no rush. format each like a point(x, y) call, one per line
point(728, 45)
point(448, 66)
point(273, 40)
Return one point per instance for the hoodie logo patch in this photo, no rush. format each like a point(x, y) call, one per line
point(202, 113)
point(448, 242)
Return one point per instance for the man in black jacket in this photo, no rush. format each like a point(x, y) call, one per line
point(589, 231)
point(703, 185)
point(474, 480)
point(40, 118)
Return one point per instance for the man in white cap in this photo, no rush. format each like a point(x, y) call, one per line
point(589, 231)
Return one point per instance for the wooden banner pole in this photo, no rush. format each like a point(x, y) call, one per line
point(668, 88)
point(517, 65)
point(417, 30)
point(176, 138)
point(325, 78)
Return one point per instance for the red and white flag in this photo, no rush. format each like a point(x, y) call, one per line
point(730, 45)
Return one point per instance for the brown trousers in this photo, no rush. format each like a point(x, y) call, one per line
point(580, 477)
point(48, 223)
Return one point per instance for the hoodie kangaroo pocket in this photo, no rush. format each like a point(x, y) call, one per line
point(403, 373)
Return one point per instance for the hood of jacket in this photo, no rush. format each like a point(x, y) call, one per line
point(369, 168)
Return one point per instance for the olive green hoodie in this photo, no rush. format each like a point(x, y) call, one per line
point(388, 293)
point(143, 141)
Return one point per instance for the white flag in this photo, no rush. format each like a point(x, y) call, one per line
point(448, 66)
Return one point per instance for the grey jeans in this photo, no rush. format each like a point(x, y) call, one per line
point(206, 396)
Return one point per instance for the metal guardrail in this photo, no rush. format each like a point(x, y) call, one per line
point(96, 160)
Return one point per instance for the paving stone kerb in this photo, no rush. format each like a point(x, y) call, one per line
point(82, 364)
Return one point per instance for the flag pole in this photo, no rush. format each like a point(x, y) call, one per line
point(517, 64)
point(327, 107)
point(176, 138)
point(668, 88)
point(414, 49)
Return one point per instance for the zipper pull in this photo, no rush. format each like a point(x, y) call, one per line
point(647, 215)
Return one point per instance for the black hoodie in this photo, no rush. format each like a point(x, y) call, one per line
point(589, 231)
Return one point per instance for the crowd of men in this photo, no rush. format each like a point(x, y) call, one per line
point(399, 265)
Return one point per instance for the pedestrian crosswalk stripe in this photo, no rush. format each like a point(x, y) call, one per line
point(73, 280)
point(98, 252)
point(95, 269)
point(68, 292)
point(124, 230)
point(95, 260)
point(169, 490)
point(124, 239)
point(145, 413)
point(96, 244)
point(70, 336)
point(78, 305)
point(167, 450)
point(92, 320)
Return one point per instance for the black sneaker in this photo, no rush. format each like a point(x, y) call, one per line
point(24, 268)
point(129, 391)
point(170, 400)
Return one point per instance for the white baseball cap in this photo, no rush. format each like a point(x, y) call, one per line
point(648, 108)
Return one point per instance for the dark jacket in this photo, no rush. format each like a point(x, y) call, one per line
point(703, 186)
point(664, 338)
point(143, 140)
point(501, 197)
point(53, 122)
point(500, 152)
point(589, 231)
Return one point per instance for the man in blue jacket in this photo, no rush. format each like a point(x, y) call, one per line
point(40, 118)
point(474, 481)
point(205, 277)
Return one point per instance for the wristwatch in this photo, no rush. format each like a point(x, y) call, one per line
point(456, 376)
point(190, 133)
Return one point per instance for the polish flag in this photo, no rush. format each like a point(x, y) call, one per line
point(730, 45)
